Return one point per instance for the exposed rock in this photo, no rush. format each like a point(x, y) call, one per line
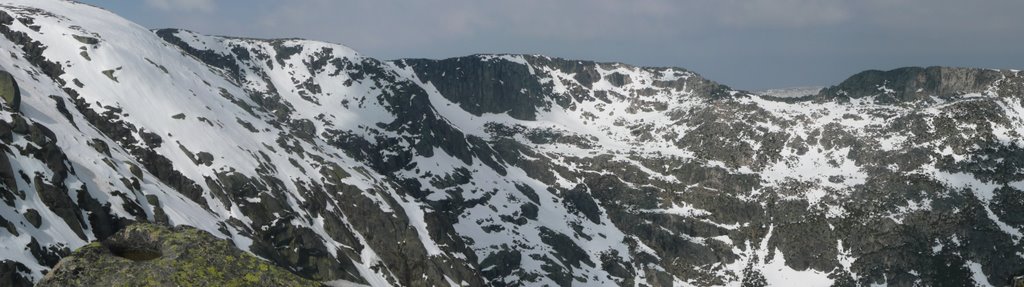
point(86, 40)
point(9, 90)
point(33, 218)
point(913, 83)
point(110, 74)
point(11, 274)
point(150, 255)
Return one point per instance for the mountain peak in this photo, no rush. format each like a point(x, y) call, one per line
point(916, 83)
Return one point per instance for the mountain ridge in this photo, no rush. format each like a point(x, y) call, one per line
point(494, 170)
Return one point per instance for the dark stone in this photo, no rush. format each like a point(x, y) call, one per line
point(63, 109)
point(474, 84)
point(9, 226)
point(11, 274)
point(33, 217)
point(565, 248)
point(159, 216)
point(529, 211)
point(57, 200)
point(48, 255)
point(86, 40)
point(579, 200)
point(8, 183)
point(501, 264)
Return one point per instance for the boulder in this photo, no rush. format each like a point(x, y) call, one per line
point(145, 254)
point(9, 90)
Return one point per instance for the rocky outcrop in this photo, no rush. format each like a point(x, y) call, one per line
point(151, 255)
point(914, 83)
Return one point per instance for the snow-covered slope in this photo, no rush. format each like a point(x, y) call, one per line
point(501, 169)
point(794, 92)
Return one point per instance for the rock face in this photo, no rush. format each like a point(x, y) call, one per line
point(501, 170)
point(913, 83)
point(153, 255)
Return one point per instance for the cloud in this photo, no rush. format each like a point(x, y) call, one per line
point(205, 6)
point(782, 13)
point(745, 43)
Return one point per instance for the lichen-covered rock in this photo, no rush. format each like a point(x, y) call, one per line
point(145, 254)
point(9, 90)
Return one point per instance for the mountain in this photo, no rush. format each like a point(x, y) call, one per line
point(499, 170)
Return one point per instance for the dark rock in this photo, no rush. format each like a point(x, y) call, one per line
point(501, 264)
point(11, 274)
point(33, 217)
point(57, 200)
point(565, 248)
point(579, 200)
point(473, 84)
point(63, 109)
point(86, 40)
point(9, 226)
point(102, 222)
point(159, 216)
point(110, 75)
point(913, 83)
point(8, 183)
point(48, 255)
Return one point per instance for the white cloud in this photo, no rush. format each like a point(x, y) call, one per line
point(205, 6)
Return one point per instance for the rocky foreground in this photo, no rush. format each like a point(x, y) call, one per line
point(152, 255)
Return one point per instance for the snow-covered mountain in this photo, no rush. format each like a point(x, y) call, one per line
point(500, 169)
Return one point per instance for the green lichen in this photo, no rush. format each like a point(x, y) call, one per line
point(9, 91)
point(187, 257)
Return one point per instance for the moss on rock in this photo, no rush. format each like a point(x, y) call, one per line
point(9, 90)
point(145, 254)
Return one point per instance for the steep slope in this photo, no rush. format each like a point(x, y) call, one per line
point(500, 169)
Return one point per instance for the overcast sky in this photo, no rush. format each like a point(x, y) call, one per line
point(747, 44)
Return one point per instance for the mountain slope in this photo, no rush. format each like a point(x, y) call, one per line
point(501, 169)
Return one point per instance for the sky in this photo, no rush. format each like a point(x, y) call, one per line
point(746, 44)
